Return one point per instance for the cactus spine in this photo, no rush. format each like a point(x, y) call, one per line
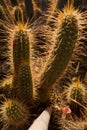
point(65, 42)
point(18, 13)
point(4, 44)
point(14, 112)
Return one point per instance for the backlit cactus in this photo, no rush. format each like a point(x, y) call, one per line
point(18, 13)
point(14, 112)
point(76, 96)
point(67, 35)
point(27, 93)
point(25, 83)
point(21, 47)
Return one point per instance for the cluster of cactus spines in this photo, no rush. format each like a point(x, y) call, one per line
point(18, 13)
point(13, 111)
point(67, 124)
point(76, 92)
point(61, 53)
point(36, 7)
point(3, 43)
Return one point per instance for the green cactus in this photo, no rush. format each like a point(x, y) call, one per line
point(14, 113)
point(26, 86)
point(21, 49)
point(19, 89)
point(21, 59)
point(76, 96)
point(67, 35)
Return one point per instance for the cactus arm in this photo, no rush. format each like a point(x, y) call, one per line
point(65, 43)
point(22, 72)
point(26, 86)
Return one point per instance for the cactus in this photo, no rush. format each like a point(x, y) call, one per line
point(14, 2)
point(21, 59)
point(4, 49)
point(26, 86)
point(76, 92)
point(21, 48)
point(21, 106)
point(61, 53)
point(14, 112)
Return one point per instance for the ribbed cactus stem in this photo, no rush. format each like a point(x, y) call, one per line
point(21, 59)
point(25, 83)
point(14, 113)
point(65, 42)
point(21, 49)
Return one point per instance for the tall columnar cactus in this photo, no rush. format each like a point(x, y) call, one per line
point(21, 60)
point(67, 35)
point(21, 48)
point(14, 113)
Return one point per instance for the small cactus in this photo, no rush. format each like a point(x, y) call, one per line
point(21, 59)
point(14, 113)
point(76, 96)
